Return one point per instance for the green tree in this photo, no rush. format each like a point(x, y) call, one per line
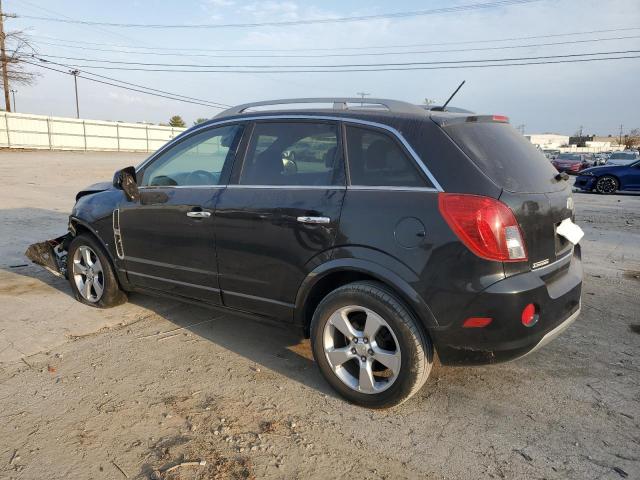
point(200, 120)
point(177, 121)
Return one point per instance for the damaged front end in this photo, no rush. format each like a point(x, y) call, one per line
point(51, 254)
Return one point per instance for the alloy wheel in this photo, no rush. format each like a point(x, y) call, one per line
point(606, 185)
point(361, 349)
point(88, 274)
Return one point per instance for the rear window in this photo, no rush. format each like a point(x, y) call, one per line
point(622, 156)
point(505, 156)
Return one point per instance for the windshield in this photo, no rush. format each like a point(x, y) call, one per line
point(505, 156)
point(623, 156)
point(569, 156)
point(628, 161)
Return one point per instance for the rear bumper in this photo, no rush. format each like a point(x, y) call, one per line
point(554, 289)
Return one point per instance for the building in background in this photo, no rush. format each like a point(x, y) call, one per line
point(548, 141)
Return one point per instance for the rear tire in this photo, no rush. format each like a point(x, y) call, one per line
point(369, 347)
point(91, 275)
point(607, 185)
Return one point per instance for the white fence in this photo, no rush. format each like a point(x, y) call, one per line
point(19, 130)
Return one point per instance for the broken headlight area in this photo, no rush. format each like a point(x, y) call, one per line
point(51, 254)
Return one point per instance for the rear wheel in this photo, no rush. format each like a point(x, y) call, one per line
point(369, 347)
point(91, 276)
point(607, 185)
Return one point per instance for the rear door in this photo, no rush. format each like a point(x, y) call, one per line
point(539, 200)
point(278, 217)
point(168, 236)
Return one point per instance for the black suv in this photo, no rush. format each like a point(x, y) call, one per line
point(385, 231)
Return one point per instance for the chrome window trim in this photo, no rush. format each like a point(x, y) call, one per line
point(159, 187)
point(392, 189)
point(289, 187)
point(357, 121)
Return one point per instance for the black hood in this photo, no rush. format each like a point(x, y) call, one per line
point(95, 188)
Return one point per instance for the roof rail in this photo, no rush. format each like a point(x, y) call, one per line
point(339, 103)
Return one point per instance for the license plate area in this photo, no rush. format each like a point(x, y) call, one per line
point(562, 245)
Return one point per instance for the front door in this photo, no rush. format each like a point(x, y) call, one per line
point(278, 218)
point(168, 236)
point(632, 177)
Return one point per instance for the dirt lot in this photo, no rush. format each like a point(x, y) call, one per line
point(133, 391)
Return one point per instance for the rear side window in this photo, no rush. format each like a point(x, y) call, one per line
point(283, 153)
point(505, 156)
point(376, 159)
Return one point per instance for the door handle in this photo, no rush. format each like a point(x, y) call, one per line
point(314, 220)
point(199, 214)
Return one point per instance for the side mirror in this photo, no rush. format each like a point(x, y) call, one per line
point(125, 180)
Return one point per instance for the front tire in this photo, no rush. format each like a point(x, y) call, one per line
point(369, 347)
point(607, 185)
point(91, 275)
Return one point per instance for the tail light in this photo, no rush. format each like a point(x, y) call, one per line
point(485, 225)
point(529, 315)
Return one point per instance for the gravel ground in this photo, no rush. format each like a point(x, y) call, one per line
point(157, 389)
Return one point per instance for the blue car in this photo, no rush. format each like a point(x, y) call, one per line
point(610, 178)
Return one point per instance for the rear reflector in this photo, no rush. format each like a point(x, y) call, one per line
point(485, 225)
point(477, 322)
point(529, 315)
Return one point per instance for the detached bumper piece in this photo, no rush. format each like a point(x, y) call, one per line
point(51, 254)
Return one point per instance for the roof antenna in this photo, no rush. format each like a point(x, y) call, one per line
point(442, 108)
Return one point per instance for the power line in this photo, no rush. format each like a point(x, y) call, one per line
point(389, 69)
point(114, 34)
point(268, 68)
point(223, 105)
point(419, 52)
point(124, 87)
point(359, 18)
point(369, 47)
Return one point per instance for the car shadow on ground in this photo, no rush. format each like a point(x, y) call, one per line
point(266, 343)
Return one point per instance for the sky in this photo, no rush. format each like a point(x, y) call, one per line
point(560, 98)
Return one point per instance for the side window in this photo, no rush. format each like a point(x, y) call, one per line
point(289, 153)
point(198, 160)
point(376, 159)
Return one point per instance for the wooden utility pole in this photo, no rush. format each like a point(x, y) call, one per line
point(3, 59)
point(75, 74)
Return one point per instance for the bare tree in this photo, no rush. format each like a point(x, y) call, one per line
point(632, 139)
point(19, 49)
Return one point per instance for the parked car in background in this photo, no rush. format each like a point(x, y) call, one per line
point(382, 235)
point(610, 178)
point(571, 163)
point(623, 158)
point(551, 154)
point(601, 158)
point(590, 159)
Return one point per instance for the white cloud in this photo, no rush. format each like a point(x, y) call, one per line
point(221, 3)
